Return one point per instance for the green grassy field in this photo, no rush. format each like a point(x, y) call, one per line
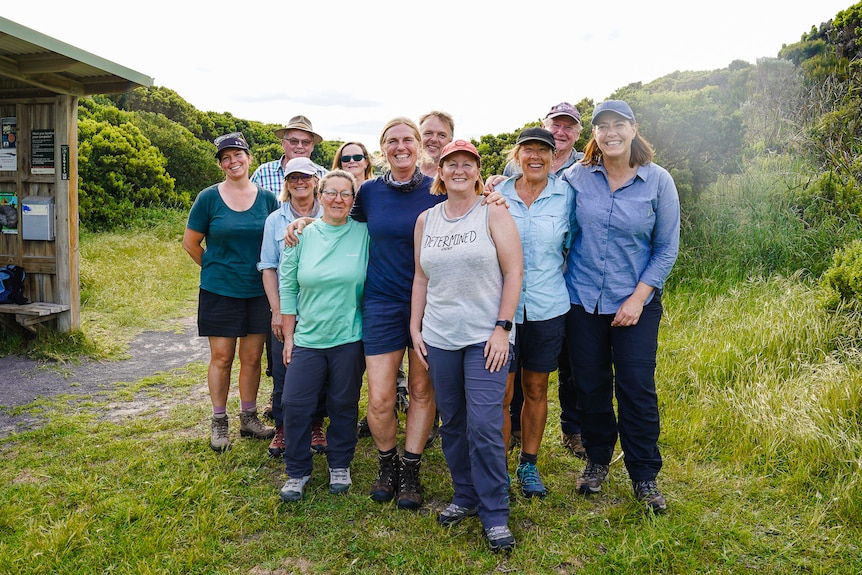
point(760, 390)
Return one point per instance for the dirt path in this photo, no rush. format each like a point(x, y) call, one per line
point(23, 380)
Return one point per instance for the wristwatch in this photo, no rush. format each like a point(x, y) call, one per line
point(505, 324)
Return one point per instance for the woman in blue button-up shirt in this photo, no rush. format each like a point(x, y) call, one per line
point(541, 204)
point(625, 242)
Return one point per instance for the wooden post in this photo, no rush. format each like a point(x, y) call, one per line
point(66, 205)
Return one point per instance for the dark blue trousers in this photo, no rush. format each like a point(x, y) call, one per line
point(617, 361)
point(338, 372)
point(278, 373)
point(470, 401)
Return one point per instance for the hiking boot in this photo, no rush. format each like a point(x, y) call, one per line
point(500, 538)
point(573, 442)
point(402, 401)
point(409, 486)
point(515, 439)
point(383, 487)
point(318, 438)
point(251, 426)
point(647, 493)
point(276, 446)
point(219, 437)
point(435, 431)
point(363, 429)
point(292, 489)
point(455, 514)
point(531, 483)
point(339, 480)
point(590, 481)
point(267, 409)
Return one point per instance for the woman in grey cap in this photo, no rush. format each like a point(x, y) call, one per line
point(625, 243)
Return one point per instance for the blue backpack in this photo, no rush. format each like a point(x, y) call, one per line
point(12, 285)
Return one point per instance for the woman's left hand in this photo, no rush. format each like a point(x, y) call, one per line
point(497, 350)
point(629, 313)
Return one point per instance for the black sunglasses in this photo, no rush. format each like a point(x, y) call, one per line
point(354, 157)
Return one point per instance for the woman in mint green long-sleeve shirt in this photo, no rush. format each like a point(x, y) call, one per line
point(322, 281)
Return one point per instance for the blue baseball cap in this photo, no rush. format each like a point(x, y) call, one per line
point(616, 106)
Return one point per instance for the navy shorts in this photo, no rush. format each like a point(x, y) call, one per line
point(225, 316)
point(538, 345)
point(385, 326)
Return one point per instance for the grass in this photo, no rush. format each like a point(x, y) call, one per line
point(760, 390)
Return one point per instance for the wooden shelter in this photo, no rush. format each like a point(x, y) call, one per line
point(41, 80)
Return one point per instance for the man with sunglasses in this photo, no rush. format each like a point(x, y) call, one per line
point(298, 139)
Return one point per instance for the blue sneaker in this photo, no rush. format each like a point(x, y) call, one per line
point(531, 483)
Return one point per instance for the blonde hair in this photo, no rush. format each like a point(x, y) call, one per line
point(337, 173)
point(284, 195)
point(402, 120)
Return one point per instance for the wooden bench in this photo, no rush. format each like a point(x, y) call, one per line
point(30, 314)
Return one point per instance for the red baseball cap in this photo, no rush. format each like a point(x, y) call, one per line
point(459, 146)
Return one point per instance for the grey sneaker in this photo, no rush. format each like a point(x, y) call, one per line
point(339, 480)
point(647, 493)
point(251, 426)
point(292, 489)
point(500, 538)
point(455, 514)
point(590, 481)
point(573, 442)
point(219, 438)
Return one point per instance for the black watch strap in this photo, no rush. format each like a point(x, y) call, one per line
point(505, 324)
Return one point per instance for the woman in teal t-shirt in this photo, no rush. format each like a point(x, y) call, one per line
point(223, 235)
point(321, 285)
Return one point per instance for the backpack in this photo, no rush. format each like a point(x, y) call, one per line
point(12, 285)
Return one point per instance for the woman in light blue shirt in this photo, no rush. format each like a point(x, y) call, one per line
point(625, 242)
point(541, 204)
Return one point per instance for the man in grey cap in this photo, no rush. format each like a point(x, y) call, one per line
point(298, 139)
point(564, 122)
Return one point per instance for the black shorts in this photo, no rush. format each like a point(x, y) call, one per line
point(225, 316)
point(538, 344)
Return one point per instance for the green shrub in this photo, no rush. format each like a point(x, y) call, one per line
point(843, 280)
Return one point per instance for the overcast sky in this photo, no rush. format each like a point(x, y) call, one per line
point(352, 66)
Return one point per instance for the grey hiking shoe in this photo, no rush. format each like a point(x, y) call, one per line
point(219, 437)
point(455, 514)
point(500, 538)
point(590, 481)
point(251, 426)
point(647, 493)
point(293, 487)
point(339, 480)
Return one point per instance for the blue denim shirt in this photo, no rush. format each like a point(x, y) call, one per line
point(544, 230)
point(620, 238)
point(273, 237)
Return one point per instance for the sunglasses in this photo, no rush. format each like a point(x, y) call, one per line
point(293, 178)
point(332, 193)
point(354, 157)
point(295, 142)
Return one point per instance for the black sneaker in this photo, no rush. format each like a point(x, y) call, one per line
point(647, 493)
point(590, 481)
point(363, 429)
point(500, 538)
point(409, 486)
point(383, 488)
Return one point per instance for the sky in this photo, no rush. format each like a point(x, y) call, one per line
point(351, 66)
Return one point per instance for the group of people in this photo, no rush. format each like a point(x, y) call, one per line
point(558, 264)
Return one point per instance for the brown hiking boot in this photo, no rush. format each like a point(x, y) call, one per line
point(276, 446)
point(590, 481)
point(409, 486)
point(219, 437)
point(647, 493)
point(383, 488)
point(318, 438)
point(572, 442)
point(251, 426)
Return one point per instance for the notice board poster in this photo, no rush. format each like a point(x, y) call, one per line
point(8, 144)
point(42, 152)
point(9, 212)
